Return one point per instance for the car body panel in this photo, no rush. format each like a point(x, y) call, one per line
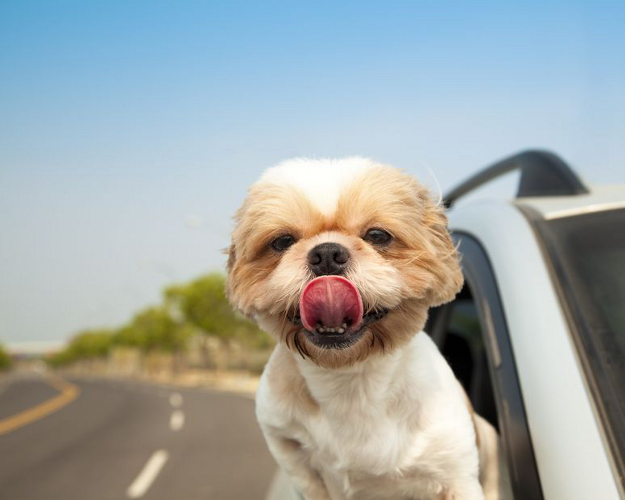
point(570, 452)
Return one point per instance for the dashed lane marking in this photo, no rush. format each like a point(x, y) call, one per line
point(175, 399)
point(176, 421)
point(148, 474)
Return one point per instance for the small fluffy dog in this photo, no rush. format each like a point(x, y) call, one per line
point(340, 260)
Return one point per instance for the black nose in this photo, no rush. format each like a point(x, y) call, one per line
point(328, 258)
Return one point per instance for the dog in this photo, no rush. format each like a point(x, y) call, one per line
point(341, 260)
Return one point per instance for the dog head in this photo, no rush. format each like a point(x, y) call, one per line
point(340, 259)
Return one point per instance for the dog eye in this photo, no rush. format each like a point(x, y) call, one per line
point(377, 237)
point(282, 243)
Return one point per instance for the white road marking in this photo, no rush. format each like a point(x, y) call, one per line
point(175, 399)
point(176, 421)
point(148, 474)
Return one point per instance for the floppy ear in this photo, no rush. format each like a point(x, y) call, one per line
point(444, 265)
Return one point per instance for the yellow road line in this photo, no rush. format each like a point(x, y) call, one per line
point(67, 393)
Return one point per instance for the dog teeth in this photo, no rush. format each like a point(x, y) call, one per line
point(333, 329)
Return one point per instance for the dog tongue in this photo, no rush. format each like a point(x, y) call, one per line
point(331, 301)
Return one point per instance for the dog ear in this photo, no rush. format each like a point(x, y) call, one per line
point(445, 263)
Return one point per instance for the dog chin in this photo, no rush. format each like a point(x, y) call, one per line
point(338, 337)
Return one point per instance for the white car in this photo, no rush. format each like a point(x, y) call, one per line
point(537, 335)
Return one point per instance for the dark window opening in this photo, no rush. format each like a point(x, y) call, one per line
point(460, 339)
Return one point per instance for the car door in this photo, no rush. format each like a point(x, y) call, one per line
point(472, 334)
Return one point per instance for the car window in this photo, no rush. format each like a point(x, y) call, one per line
point(463, 346)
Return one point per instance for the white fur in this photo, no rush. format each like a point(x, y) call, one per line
point(394, 427)
point(321, 181)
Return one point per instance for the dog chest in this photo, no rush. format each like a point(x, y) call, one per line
point(369, 444)
point(377, 459)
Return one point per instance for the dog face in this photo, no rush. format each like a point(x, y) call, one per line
point(340, 258)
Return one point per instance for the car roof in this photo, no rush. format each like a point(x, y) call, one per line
point(599, 198)
point(547, 184)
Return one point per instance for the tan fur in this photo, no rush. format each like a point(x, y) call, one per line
point(419, 269)
point(422, 250)
point(472, 413)
point(494, 475)
point(384, 417)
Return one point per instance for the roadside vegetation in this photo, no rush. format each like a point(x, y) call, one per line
point(5, 359)
point(192, 316)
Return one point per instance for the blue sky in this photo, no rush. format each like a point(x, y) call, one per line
point(129, 131)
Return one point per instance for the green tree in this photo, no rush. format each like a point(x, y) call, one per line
point(200, 305)
point(5, 359)
point(203, 304)
point(88, 344)
point(153, 329)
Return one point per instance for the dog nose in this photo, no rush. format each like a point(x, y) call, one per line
point(328, 258)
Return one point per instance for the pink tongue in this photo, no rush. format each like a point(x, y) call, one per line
point(330, 301)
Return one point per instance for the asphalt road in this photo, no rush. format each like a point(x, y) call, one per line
point(120, 440)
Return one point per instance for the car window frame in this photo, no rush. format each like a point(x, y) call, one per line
point(515, 435)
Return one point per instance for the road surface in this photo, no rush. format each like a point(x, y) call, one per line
point(95, 439)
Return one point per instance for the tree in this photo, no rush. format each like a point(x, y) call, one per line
point(204, 305)
point(200, 305)
point(5, 359)
point(153, 329)
point(88, 344)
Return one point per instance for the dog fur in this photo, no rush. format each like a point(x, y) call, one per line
point(383, 418)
